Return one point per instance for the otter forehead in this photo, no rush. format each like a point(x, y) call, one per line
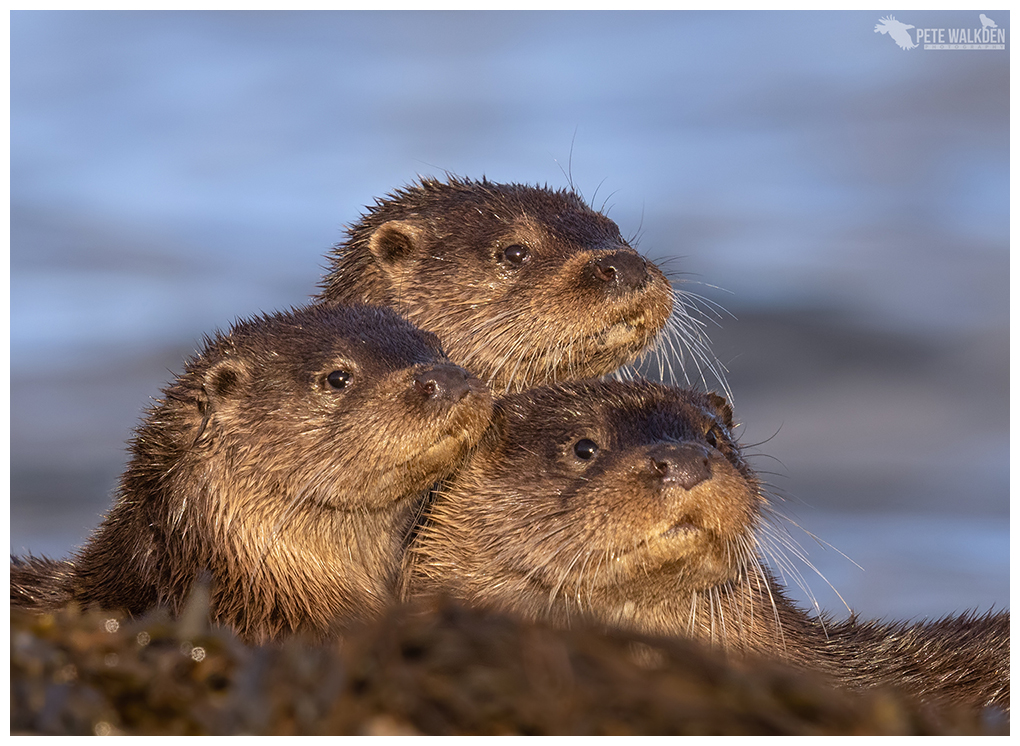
point(634, 413)
point(481, 212)
point(306, 339)
point(562, 213)
point(556, 232)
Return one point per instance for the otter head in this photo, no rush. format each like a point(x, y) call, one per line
point(350, 409)
point(593, 498)
point(524, 285)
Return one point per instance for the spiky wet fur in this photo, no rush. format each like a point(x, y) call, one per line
point(522, 530)
point(433, 251)
point(40, 582)
point(295, 496)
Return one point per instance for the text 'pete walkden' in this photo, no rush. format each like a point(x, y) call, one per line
point(961, 38)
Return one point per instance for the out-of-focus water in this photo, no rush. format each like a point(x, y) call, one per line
point(845, 199)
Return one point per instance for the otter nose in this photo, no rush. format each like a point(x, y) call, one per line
point(443, 382)
point(682, 464)
point(623, 268)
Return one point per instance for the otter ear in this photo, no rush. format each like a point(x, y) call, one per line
point(220, 385)
point(722, 408)
point(222, 382)
point(395, 241)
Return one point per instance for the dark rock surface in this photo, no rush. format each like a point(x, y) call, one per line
point(422, 671)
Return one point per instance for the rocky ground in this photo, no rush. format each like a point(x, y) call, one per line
point(436, 671)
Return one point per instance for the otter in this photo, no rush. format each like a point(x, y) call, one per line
point(285, 464)
point(524, 285)
point(631, 505)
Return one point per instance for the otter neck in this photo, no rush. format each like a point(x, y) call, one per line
point(291, 568)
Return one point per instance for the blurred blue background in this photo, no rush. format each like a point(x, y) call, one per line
point(847, 201)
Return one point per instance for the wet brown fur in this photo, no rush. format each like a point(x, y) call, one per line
point(657, 533)
point(579, 304)
point(294, 494)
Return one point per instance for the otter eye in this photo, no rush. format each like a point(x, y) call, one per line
point(586, 449)
point(516, 254)
point(713, 436)
point(338, 379)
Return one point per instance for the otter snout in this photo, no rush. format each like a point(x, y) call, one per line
point(682, 464)
point(621, 269)
point(446, 382)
